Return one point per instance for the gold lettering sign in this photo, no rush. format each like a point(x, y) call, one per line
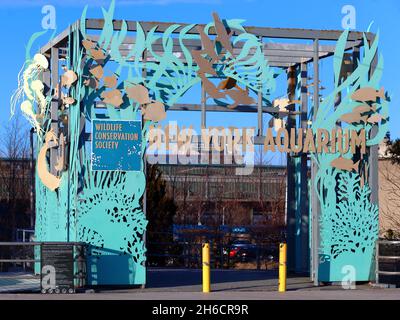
point(297, 140)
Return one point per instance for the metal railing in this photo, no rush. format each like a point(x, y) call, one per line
point(19, 254)
point(385, 257)
point(22, 258)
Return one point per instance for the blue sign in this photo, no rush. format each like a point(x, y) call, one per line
point(116, 145)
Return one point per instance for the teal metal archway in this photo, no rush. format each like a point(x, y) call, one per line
point(110, 64)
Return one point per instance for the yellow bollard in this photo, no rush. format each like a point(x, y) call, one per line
point(282, 267)
point(206, 267)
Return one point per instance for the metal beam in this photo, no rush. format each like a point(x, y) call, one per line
point(286, 33)
point(60, 40)
point(277, 54)
point(217, 108)
point(283, 33)
point(240, 108)
point(269, 49)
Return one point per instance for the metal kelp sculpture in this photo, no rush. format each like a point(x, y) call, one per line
point(348, 217)
point(104, 79)
point(111, 80)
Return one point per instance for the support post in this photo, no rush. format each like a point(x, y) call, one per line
point(260, 115)
point(54, 104)
point(259, 108)
point(291, 177)
point(144, 75)
point(203, 106)
point(373, 160)
point(206, 267)
point(314, 198)
point(373, 156)
point(282, 267)
point(304, 197)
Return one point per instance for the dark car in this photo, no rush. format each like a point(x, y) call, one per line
point(242, 249)
point(245, 251)
point(247, 254)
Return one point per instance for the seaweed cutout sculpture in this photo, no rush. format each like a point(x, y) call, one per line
point(104, 209)
point(355, 221)
point(348, 219)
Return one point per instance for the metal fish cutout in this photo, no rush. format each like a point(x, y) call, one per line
point(154, 111)
point(110, 82)
point(363, 108)
point(113, 97)
point(222, 35)
point(97, 72)
point(211, 89)
point(97, 54)
point(68, 78)
point(345, 164)
point(205, 66)
point(207, 43)
point(240, 97)
point(368, 94)
point(88, 44)
point(353, 118)
point(375, 118)
point(138, 93)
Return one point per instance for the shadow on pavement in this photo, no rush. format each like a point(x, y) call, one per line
point(161, 278)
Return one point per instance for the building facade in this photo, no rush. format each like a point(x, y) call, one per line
point(16, 199)
point(214, 195)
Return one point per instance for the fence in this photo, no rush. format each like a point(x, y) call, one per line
point(165, 249)
point(227, 252)
point(24, 255)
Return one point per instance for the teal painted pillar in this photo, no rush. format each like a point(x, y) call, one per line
point(291, 179)
point(297, 179)
point(303, 196)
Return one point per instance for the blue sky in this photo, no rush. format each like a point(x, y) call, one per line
point(20, 18)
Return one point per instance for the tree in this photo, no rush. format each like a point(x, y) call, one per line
point(160, 212)
point(15, 183)
point(389, 169)
point(393, 150)
point(14, 177)
point(15, 139)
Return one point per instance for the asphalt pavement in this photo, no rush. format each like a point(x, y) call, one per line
point(185, 284)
